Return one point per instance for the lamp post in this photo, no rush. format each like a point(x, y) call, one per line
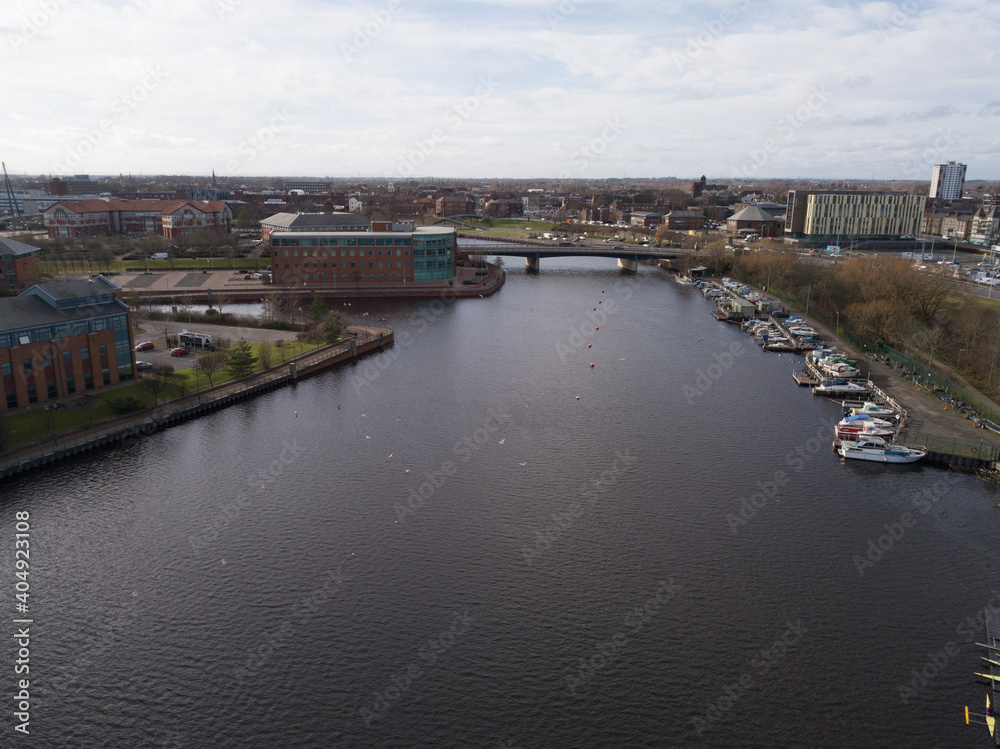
point(959, 365)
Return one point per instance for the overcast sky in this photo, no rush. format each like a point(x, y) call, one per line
point(502, 88)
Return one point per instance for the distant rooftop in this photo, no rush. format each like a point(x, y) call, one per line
point(13, 247)
point(314, 221)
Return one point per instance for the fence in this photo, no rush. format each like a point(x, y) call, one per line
point(982, 450)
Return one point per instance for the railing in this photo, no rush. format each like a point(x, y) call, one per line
point(69, 443)
point(982, 450)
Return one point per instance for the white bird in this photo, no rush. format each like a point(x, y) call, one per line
point(262, 487)
point(391, 454)
point(367, 437)
point(523, 464)
point(503, 440)
point(223, 561)
point(296, 414)
point(408, 470)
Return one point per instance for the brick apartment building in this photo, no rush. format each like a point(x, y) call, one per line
point(61, 338)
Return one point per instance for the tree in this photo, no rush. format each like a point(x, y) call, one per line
point(157, 380)
point(264, 355)
point(279, 347)
point(242, 361)
point(210, 363)
point(317, 310)
point(333, 327)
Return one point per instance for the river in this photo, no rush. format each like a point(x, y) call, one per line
point(477, 539)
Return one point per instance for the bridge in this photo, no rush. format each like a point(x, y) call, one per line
point(533, 250)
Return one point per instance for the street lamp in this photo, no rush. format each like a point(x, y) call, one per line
point(50, 417)
point(959, 365)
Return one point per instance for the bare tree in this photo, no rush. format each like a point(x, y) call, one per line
point(157, 380)
point(264, 355)
point(210, 363)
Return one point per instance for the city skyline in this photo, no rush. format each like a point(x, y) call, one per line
point(502, 88)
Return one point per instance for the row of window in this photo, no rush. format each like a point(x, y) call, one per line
point(305, 266)
point(306, 277)
point(343, 253)
point(340, 241)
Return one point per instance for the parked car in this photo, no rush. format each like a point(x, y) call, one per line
point(179, 351)
point(247, 276)
point(144, 346)
point(143, 366)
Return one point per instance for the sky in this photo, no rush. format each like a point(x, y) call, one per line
point(582, 89)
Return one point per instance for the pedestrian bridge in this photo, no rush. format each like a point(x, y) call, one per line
point(534, 251)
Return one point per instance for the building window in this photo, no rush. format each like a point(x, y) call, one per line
point(29, 366)
point(85, 353)
point(106, 375)
point(50, 387)
point(88, 381)
point(4, 369)
point(11, 399)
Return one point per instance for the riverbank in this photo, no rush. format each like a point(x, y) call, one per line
point(929, 421)
point(182, 287)
point(364, 341)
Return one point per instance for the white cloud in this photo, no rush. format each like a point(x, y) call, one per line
point(700, 84)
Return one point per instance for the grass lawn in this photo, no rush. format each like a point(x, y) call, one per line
point(34, 423)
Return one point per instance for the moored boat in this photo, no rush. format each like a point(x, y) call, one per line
point(877, 450)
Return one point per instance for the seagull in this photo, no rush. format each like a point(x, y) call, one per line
point(223, 561)
point(262, 487)
point(523, 464)
point(408, 470)
point(391, 454)
point(503, 440)
point(367, 437)
point(296, 414)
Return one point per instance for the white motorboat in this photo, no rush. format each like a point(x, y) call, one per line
point(863, 425)
point(839, 387)
point(877, 450)
point(838, 369)
point(872, 409)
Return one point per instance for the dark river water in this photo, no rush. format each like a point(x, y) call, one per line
point(477, 539)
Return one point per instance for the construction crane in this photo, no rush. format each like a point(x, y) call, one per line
point(10, 192)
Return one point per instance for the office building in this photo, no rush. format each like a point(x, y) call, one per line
point(62, 338)
point(847, 215)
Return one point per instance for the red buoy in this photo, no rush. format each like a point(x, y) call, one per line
point(595, 309)
point(592, 364)
point(596, 328)
point(589, 345)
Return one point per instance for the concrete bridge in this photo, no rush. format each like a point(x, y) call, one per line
point(534, 250)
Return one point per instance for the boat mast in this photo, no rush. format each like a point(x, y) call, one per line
point(10, 192)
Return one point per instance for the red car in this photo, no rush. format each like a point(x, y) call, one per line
point(144, 346)
point(247, 276)
point(179, 351)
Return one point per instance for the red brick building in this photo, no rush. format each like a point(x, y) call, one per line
point(168, 218)
point(61, 338)
point(18, 264)
point(684, 220)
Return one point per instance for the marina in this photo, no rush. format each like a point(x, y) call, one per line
point(838, 375)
